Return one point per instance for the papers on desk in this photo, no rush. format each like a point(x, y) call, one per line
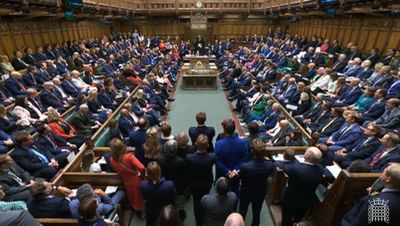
point(291, 107)
point(334, 170)
point(278, 157)
point(71, 156)
point(111, 189)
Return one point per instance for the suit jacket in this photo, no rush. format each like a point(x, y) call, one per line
point(14, 87)
point(137, 139)
point(29, 161)
point(334, 126)
point(394, 89)
point(231, 152)
point(254, 176)
point(70, 88)
point(217, 208)
point(302, 182)
point(173, 169)
point(345, 137)
point(313, 112)
point(364, 73)
point(18, 64)
point(29, 59)
point(358, 215)
point(199, 170)
point(270, 121)
point(392, 156)
point(389, 119)
point(82, 123)
point(339, 66)
point(50, 143)
point(374, 110)
point(10, 185)
point(40, 57)
point(209, 131)
point(157, 196)
point(126, 125)
point(50, 99)
point(361, 150)
point(351, 97)
point(49, 207)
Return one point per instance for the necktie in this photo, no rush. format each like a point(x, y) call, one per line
point(377, 158)
point(42, 157)
point(323, 129)
point(21, 86)
point(16, 178)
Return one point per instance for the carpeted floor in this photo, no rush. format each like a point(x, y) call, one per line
point(182, 116)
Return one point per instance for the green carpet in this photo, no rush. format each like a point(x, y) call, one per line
point(182, 116)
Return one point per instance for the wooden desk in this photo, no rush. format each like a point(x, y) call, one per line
point(199, 82)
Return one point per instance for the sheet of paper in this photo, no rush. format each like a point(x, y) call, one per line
point(278, 157)
point(300, 158)
point(334, 169)
point(111, 189)
point(71, 156)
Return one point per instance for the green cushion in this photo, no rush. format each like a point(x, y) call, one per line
point(70, 117)
point(101, 141)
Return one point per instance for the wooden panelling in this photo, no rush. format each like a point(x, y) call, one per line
point(366, 33)
point(18, 35)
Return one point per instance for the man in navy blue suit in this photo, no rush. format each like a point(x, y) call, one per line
point(376, 109)
point(14, 84)
point(68, 86)
point(201, 128)
point(362, 213)
point(347, 135)
point(299, 194)
point(39, 163)
point(45, 205)
point(351, 96)
point(270, 121)
point(394, 88)
point(39, 55)
point(126, 123)
point(138, 137)
point(231, 152)
point(254, 176)
point(199, 167)
point(386, 154)
point(362, 149)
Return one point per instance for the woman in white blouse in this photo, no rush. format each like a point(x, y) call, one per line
point(77, 80)
point(21, 111)
point(321, 84)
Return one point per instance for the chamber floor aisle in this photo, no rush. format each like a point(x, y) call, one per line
point(182, 116)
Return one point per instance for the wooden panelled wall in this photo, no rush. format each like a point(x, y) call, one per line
point(19, 35)
point(221, 31)
point(366, 33)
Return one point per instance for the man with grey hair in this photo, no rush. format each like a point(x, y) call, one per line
point(173, 168)
point(82, 123)
point(106, 204)
point(360, 214)
point(340, 64)
point(299, 194)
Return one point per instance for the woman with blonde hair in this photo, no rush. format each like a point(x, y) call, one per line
point(62, 128)
point(152, 146)
point(131, 170)
point(5, 64)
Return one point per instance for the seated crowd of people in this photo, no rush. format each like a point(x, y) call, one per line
point(347, 102)
point(353, 118)
point(89, 79)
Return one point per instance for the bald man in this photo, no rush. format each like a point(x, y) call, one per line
point(234, 219)
point(299, 194)
point(359, 215)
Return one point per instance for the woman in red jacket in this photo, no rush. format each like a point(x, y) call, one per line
point(63, 129)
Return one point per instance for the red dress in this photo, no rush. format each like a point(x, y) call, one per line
point(131, 180)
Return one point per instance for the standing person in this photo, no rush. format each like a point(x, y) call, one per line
point(201, 128)
point(254, 176)
point(131, 170)
point(157, 192)
point(218, 206)
point(299, 194)
point(199, 169)
point(230, 153)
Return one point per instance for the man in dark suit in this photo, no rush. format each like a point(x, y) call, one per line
point(390, 119)
point(388, 199)
point(29, 59)
point(14, 84)
point(44, 204)
point(49, 99)
point(299, 194)
point(347, 135)
point(58, 146)
point(199, 171)
point(384, 79)
point(365, 71)
point(82, 123)
point(68, 86)
point(271, 120)
point(394, 88)
point(138, 137)
point(254, 176)
point(14, 180)
point(340, 64)
point(39, 55)
point(386, 154)
point(39, 163)
point(18, 63)
point(231, 152)
point(126, 123)
point(354, 53)
point(362, 149)
point(321, 119)
point(377, 108)
point(201, 128)
point(351, 96)
point(333, 124)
